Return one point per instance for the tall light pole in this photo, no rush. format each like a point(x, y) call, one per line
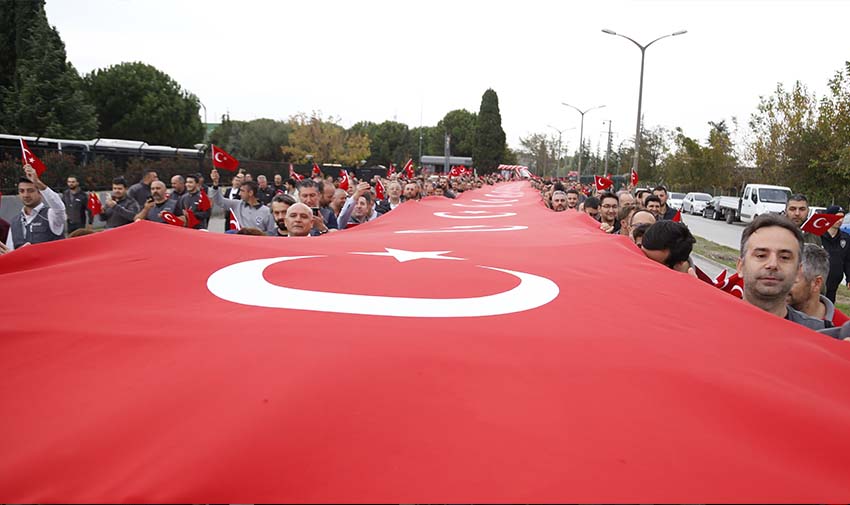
point(607, 146)
point(640, 90)
point(560, 132)
point(581, 133)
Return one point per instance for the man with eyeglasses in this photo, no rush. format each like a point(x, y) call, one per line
point(608, 205)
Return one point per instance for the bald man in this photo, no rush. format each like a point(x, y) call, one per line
point(299, 220)
point(159, 203)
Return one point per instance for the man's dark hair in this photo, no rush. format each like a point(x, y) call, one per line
point(191, 176)
point(671, 236)
point(766, 221)
point(308, 183)
point(607, 194)
point(283, 198)
point(320, 187)
point(24, 179)
point(291, 181)
point(368, 196)
point(797, 197)
point(72, 176)
point(660, 188)
point(651, 198)
point(147, 171)
point(572, 191)
point(559, 186)
point(120, 181)
point(252, 186)
point(639, 230)
point(592, 202)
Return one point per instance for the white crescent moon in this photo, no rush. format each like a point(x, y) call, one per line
point(218, 158)
point(816, 225)
point(494, 201)
point(469, 228)
point(483, 206)
point(506, 195)
point(243, 283)
point(478, 216)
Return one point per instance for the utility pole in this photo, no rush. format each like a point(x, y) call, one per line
point(608, 147)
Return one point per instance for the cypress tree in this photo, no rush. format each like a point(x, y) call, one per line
point(489, 135)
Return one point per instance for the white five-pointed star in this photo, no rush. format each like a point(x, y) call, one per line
point(402, 255)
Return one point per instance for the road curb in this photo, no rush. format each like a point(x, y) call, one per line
point(712, 262)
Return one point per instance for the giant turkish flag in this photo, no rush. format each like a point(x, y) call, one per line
point(483, 349)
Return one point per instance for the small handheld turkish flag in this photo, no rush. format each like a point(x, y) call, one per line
point(170, 218)
point(734, 284)
point(391, 170)
point(379, 190)
point(408, 169)
point(634, 177)
point(678, 217)
point(232, 222)
point(31, 159)
point(191, 220)
point(204, 201)
point(316, 171)
point(343, 180)
point(454, 172)
point(295, 175)
point(94, 204)
point(602, 183)
point(221, 159)
point(819, 223)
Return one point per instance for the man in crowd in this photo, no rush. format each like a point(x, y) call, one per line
point(665, 212)
point(190, 200)
point(232, 193)
point(653, 204)
point(76, 205)
point(279, 206)
point(119, 209)
point(559, 201)
point(771, 254)
point(159, 203)
point(591, 207)
point(428, 188)
point(670, 244)
point(264, 192)
point(608, 205)
point(38, 222)
point(805, 294)
point(178, 187)
point(624, 215)
point(359, 208)
point(797, 210)
point(278, 184)
point(625, 198)
point(338, 201)
point(393, 198)
point(248, 210)
point(300, 220)
point(310, 194)
point(572, 199)
point(411, 191)
point(837, 244)
point(141, 191)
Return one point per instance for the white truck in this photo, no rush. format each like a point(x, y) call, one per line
point(756, 199)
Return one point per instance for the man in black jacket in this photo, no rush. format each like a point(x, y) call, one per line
point(837, 244)
point(76, 205)
point(119, 209)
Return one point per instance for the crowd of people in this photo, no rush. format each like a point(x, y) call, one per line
point(784, 270)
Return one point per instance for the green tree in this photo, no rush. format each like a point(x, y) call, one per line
point(262, 139)
point(137, 101)
point(489, 136)
point(542, 150)
point(324, 141)
point(40, 91)
point(389, 141)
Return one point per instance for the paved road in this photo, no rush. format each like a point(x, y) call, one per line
point(715, 231)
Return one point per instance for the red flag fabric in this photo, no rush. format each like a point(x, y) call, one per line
point(94, 205)
point(447, 391)
point(391, 170)
point(316, 171)
point(220, 159)
point(232, 222)
point(733, 284)
point(295, 175)
point(818, 224)
point(343, 180)
point(204, 201)
point(379, 190)
point(677, 218)
point(454, 172)
point(602, 183)
point(634, 177)
point(29, 158)
point(408, 169)
point(191, 219)
point(171, 218)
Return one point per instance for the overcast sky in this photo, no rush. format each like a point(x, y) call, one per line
point(377, 60)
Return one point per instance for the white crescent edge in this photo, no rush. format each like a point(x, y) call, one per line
point(816, 225)
point(494, 201)
point(483, 206)
point(479, 228)
point(501, 214)
point(217, 154)
point(243, 283)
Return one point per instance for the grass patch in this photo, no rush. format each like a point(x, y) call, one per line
point(729, 257)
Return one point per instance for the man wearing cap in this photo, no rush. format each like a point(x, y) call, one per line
point(837, 244)
point(805, 294)
point(797, 210)
point(37, 222)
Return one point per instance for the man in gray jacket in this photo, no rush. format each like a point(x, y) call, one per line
point(248, 210)
point(119, 209)
point(806, 293)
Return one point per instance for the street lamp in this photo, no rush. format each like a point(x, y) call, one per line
point(640, 90)
point(581, 133)
point(560, 132)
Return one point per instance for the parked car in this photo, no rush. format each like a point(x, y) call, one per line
point(675, 200)
point(712, 209)
point(694, 203)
